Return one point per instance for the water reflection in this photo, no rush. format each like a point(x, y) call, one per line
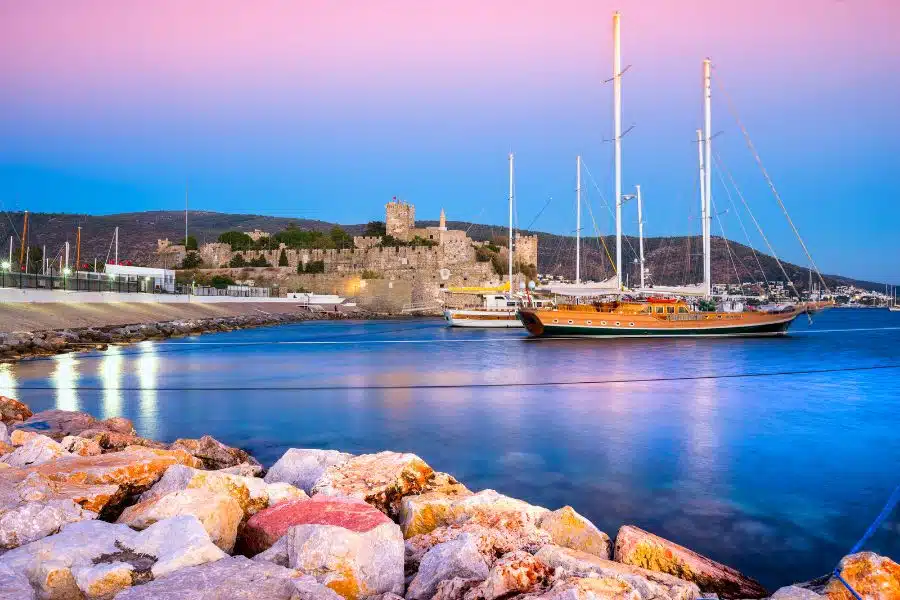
point(147, 366)
point(7, 380)
point(110, 371)
point(65, 380)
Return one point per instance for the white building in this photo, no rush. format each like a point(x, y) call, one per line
point(150, 278)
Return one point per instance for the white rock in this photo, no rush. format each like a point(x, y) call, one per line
point(176, 543)
point(26, 522)
point(302, 467)
point(13, 585)
point(354, 564)
point(37, 450)
point(233, 578)
point(459, 558)
point(59, 565)
point(282, 492)
point(793, 592)
point(252, 493)
point(4, 434)
point(220, 514)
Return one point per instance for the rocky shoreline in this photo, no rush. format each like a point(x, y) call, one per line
point(24, 344)
point(91, 510)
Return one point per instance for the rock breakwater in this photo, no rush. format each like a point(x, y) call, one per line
point(21, 344)
point(89, 510)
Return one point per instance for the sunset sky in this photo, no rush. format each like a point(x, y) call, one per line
point(325, 110)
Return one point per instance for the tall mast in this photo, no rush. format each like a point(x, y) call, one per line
point(578, 220)
point(24, 242)
point(117, 246)
point(78, 250)
point(707, 126)
point(617, 118)
point(510, 253)
point(185, 216)
point(637, 192)
point(702, 196)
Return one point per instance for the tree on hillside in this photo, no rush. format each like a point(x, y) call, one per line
point(191, 260)
point(237, 261)
point(340, 238)
point(190, 243)
point(238, 240)
point(375, 228)
point(282, 259)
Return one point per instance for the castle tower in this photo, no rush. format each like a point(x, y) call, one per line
point(442, 224)
point(400, 219)
point(526, 249)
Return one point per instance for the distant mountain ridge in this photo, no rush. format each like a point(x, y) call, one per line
point(671, 260)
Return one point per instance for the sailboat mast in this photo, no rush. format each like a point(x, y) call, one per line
point(637, 189)
point(707, 222)
point(510, 253)
point(578, 220)
point(617, 119)
point(702, 194)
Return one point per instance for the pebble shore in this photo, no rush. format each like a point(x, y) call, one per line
point(89, 510)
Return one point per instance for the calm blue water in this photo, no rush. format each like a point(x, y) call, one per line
point(777, 476)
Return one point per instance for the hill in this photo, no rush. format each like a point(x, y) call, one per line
point(671, 260)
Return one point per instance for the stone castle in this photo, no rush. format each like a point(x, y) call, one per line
point(445, 257)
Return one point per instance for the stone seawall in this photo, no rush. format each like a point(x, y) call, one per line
point(39, 330)
point(91, 510)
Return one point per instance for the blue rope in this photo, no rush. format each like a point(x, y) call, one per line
point(887, 510)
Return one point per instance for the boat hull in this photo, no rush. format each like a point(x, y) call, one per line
point(610, 325)
point(482, 319)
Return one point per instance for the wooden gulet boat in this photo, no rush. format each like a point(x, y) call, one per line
point(657, 317)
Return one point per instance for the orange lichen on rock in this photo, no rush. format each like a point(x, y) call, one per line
point(873, 577)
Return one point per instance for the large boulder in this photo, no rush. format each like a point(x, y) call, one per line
point(81, 446)
point(36, 450)
point(381, 479)
point(57, 424)
point(4, 435)
point(591, 588)
point(95, 559)
point(134, 469)
point(794, 592)
point(12, 411)
point(220, 514)
point(459, 558)
point(640, 548)
point(233, 578)
point(31, 507)
point(348, 546)
point(269, 525)
point(302, 467)
point(514, 573)
point(251, 493)
point(569, 529)
point(213, 453)
point(14, 586)
point(425, 512)
point(649, 585)
point(873, 577)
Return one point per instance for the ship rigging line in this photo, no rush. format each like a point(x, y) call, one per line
point(725, 239)
point(717, 159)
point(603, 200)
point(743, 228)
point(431, 386)
point(600, 237)
point(765, 173)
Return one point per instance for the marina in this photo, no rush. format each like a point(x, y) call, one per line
point(671, 436)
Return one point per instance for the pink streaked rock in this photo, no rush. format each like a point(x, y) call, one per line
point(265, 527)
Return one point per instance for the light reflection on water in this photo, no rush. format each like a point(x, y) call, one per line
point(65, 380)
point(775, 476)
point(7, 380)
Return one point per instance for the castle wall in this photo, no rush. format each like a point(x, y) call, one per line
point(526, 249)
